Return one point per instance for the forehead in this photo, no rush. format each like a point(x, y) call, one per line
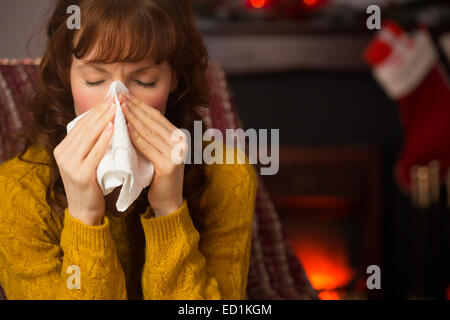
point(87, 62)
point(92, 53)
point(147, 64)
point(99, 53)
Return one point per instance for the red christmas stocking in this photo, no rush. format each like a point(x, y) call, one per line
point(408, 69)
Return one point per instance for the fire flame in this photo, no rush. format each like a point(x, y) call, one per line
point(326, 262)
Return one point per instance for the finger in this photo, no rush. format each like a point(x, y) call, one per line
point(149, 151)
point(154, 125)
point(77, 133)
point(98, 151)
point(153, 113)
point(93, 122)
point(144, 111)
point(92, 117)
point(147, 130)
point(90, 134)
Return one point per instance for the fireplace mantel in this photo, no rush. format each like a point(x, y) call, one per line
point(259, 47)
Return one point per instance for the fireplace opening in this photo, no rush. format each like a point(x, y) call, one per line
point(323, 240)
point(329, 203)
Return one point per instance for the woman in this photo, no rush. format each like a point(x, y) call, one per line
point(188, 235)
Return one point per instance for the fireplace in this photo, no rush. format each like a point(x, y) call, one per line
point(329, 201)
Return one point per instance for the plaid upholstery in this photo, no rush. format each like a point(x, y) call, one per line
point(275, 272)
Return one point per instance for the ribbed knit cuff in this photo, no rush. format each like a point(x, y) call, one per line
point(167, 227)
point(76, 233)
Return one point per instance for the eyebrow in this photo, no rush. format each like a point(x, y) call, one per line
point(97, 67)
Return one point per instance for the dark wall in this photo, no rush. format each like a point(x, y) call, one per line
point(319, 108)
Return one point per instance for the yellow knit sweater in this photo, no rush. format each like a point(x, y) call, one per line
point(44, 256)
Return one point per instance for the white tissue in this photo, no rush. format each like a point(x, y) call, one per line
point(122, 165)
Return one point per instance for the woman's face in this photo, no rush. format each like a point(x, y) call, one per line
point(148, 82)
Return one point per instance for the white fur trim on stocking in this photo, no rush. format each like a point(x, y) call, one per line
point(404, 70)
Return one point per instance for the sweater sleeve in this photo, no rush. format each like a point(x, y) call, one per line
point(37, 262)
point(211, 263)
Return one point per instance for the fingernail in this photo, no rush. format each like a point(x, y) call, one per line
point(109, 126)
point(112, 108)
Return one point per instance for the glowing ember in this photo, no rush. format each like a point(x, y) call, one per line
point(258, 3)
point(325, 259)
point(329, 295)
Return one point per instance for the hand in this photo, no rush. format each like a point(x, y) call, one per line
point(154, 136)
point(78, 156)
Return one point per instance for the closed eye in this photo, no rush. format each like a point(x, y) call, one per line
point(142, 84)
point(146, 85)
point(93, 84)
